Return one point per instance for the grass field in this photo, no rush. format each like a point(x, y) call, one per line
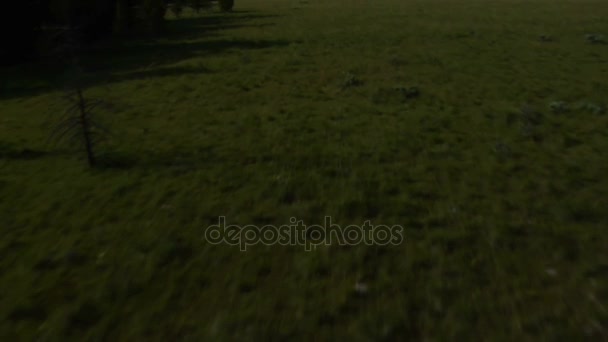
point(497, 169)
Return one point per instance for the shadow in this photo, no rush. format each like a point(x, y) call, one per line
point(208, 23)
point(8, 153)
point(194, 30)
point(152, 73)
point(151, 60)
point(139, 57)
point(175, 161)
point(22, 154)
point(157, 54)
point(25, 80)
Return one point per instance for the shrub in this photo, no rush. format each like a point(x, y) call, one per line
point(596, 39)
point(351, 80)
point(558, 107)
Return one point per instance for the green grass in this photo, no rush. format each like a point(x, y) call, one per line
point(254, 115)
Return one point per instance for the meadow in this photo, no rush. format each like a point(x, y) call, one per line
point(479, 126)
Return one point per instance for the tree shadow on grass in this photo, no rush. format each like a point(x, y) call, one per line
point(205, 26)
point(141, 57)
point(157, 54)
point(143, 61)
point(155, 73)
point(10, 153)
point(178, 161)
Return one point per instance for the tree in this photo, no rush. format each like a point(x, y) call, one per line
point(29, 22)
point(94, 18)
point(226, 5)
point(18, 30)
point(177, 8)
point(153, 14)
point(123, 19)
point(198, 5)
point(78, 125)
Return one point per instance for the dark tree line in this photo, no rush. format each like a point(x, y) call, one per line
point(26, 23)
point(28, 26)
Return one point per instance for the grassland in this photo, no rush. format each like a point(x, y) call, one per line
point(497, 170)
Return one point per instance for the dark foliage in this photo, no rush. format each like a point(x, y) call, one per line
point(18, 32)
point(29, 26)
point(226, 5)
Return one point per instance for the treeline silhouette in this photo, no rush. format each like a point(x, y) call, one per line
point(30, 28)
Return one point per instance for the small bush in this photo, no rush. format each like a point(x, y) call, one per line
point(558, 107)
point(596, 39)
point(395, 95)
point(351, 80)
point(591, 107)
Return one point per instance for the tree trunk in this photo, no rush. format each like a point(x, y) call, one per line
point(86, 129)
point(122, 18)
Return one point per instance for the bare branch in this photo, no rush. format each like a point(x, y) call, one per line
point(61, 131)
